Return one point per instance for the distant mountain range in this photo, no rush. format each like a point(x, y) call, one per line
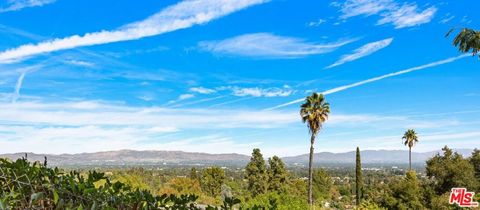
point(178, 158)
point(134, 158)
point(370, 157)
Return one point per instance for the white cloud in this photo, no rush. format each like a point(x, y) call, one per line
point(259, 92)
point(179, 16)
point(185, 96)
point(346, 87)
point(400, 15)
point(230, 102)
point(95, 139)
point(181, 98)
point(255, 92)
point(146, 98)
point(266, 45)
point(91, 113)
point(447, 18)
point(202, 90)
point(429, 141)
point(15, 5)
point(363, 51)
point(408, 16)
point(352, 8)
point(74, 139)
point(466, 19)
point(80, 63)
point(317, 23)
point(451, 136)
point(198, 101)
point(89, 126)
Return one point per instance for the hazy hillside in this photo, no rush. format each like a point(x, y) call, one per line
point(132, 158)
point(370, 156)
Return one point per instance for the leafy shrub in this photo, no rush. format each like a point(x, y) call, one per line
point(274, 200)
point(25, 185)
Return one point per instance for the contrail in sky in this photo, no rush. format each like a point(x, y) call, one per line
point(16, 93)
point(345, 87)
point(18, 85)
point(182, 15)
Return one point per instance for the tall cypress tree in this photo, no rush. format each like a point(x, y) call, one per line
point(256, 174)
point(358, 178)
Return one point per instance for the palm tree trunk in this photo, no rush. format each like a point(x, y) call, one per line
point(410, 157)
point(310, 172)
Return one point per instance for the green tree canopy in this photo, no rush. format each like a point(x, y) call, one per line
point(212, 180)
point(322, 185)
point(475, 161)
point(278, 177)
point(256, 174)
point(24, 185)
point(183, 185)
point(404, 194)
point(194, 174)
point(450, 170)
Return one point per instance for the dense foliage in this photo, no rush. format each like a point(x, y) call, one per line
point(451, 170)
point(34, 186)
point(212, 180)
point(278, 176)
point(256, 174)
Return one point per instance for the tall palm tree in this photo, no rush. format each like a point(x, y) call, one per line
point(467, 40)
point(314, 112)
point(410, 139)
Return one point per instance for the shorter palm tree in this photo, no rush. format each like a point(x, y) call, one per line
point(410, 139)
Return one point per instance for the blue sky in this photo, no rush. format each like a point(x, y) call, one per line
point(223, 76)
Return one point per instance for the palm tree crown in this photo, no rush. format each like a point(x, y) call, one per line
point(467, 40)
point(315, 112)
point(410, 138)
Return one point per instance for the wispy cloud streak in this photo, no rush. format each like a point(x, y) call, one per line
point(267, 45)
point(345, 87)
point(198, 101)
point(363, 51)
point(16, 93)
point(181, 98)
point(262, 92)
point(18, 85)
point(15, 5)
point(179, 16)
point(400, 15)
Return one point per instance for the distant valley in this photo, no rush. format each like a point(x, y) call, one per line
point(129, 158)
